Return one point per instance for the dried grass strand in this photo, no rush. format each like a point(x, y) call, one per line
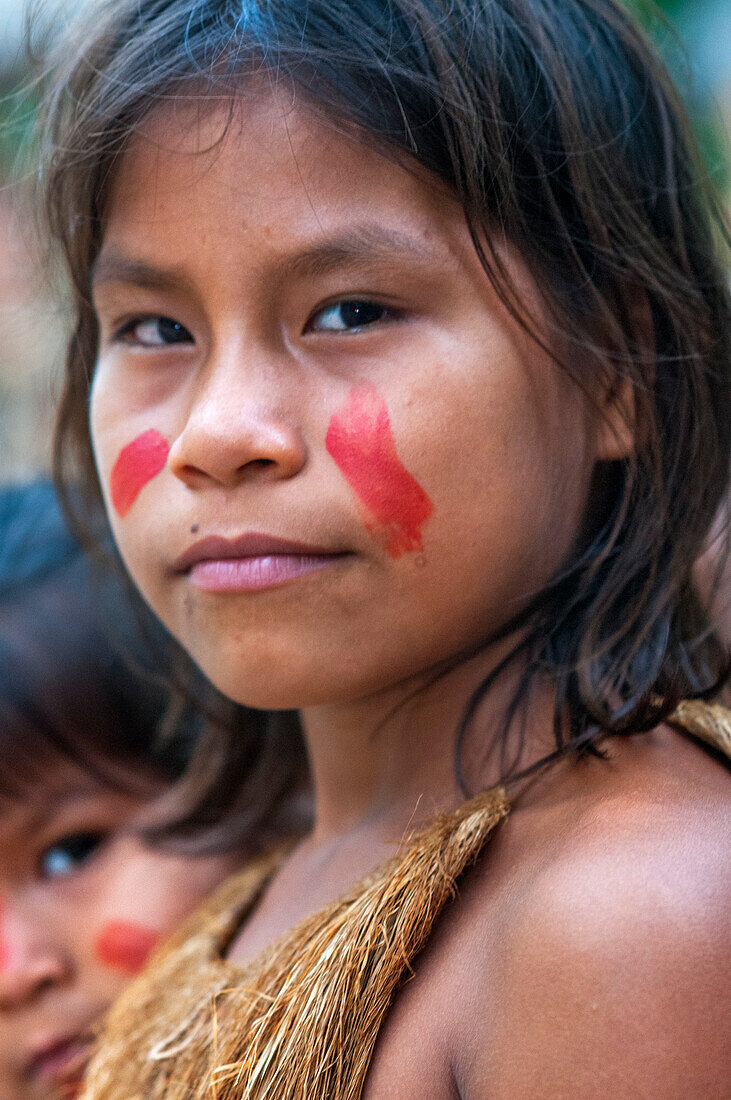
point(302, 1019)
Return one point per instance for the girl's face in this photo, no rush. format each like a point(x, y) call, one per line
point(326, 448)
point(82, 903)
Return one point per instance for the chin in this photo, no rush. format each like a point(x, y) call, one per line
point(263, 686)
point(284, 682)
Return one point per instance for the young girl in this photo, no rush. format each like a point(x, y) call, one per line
point(83, 896)
point(406, 356)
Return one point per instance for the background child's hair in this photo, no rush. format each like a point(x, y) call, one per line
point(556, 126)
point(85, 675)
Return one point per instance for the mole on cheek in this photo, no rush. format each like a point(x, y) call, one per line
point(360, 440)
point(124, 946)
point(136, 464)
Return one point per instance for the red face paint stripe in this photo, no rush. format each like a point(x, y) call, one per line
point(360, 440)
point(125, 946)
point(136, 464)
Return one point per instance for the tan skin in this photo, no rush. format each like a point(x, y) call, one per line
point(557, 972)
point(70, 868)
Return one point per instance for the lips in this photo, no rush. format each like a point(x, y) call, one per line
point(61, 1063)
point(251, 545)
point(251, 561)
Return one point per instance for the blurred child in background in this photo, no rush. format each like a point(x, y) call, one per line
point(84, 895)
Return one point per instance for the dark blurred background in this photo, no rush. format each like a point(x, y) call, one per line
point(33, 321)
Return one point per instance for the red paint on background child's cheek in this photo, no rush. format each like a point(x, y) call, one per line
point(125, 946)
point(136, 464)
point(360, 440)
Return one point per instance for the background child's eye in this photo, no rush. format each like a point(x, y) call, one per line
point(349, 316)
point(69, 853)
point(154, 332)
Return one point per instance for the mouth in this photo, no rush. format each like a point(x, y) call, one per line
point(60, 1064)
point(251, 562)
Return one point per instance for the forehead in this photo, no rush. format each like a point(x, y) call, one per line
point(271, 170)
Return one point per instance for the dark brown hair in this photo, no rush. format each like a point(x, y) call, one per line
point(555, 121)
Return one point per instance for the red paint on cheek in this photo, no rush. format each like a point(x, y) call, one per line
point(136, 464)
point(360, 440)
point(125, 946)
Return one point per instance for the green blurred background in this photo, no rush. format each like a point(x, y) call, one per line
point(693, 35)
point(695, 39)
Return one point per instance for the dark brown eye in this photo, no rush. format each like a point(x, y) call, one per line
point(155, 332)
point(349, 316)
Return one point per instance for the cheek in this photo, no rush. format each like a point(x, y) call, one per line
point(4, 946)
point(360, 440)
point(124, 946)
point(136, 464)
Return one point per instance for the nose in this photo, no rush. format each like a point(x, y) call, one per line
point(29, 964)
point(239, 425)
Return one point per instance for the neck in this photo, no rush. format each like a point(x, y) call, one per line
point(388, 760)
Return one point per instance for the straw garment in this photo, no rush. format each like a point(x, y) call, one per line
point(300, 1021)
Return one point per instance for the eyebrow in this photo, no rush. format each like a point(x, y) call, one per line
point(359, 246)
point(356, 247)
point(36, 816)
point(111, 267)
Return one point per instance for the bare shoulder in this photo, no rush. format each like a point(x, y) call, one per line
point(652, 821)
point(586, 953)
point(597, 934)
